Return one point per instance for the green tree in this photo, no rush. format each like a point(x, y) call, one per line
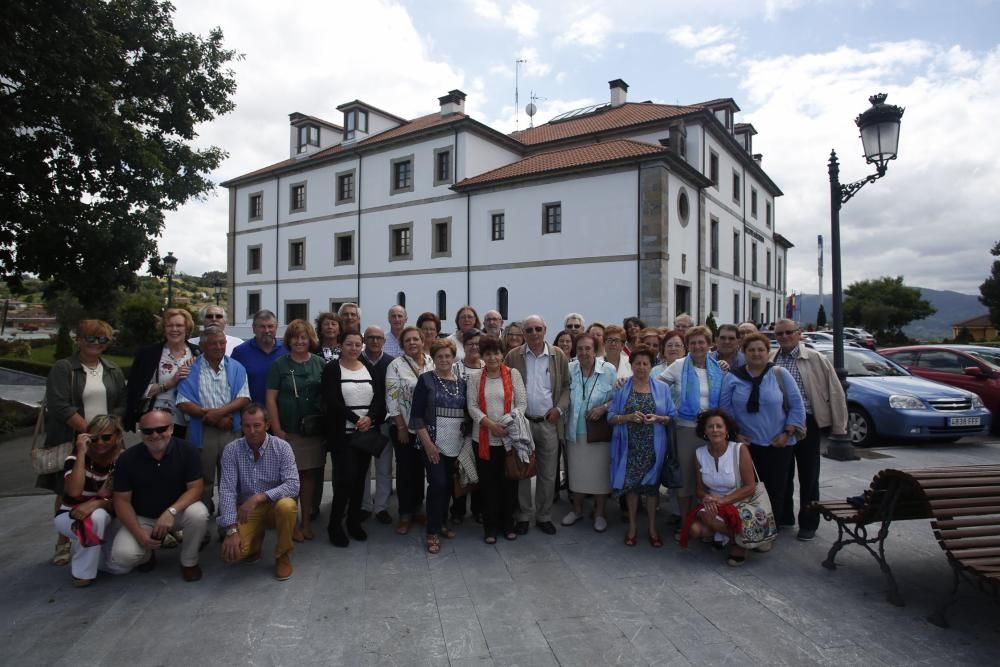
point(99, 100)
point(821, 317)
point(884, 306)
point(989, 291)
point(964, 336)
point(137, 317)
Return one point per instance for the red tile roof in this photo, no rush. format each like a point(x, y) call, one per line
point(631, 113)
point(567, 158)
point(977, 321)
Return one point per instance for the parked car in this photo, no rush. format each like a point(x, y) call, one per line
point(885, 400)
point(826, 338)
point(972, 367)
point(860, 336)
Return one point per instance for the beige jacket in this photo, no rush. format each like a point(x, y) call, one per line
point(822, 387)
point(558, 376)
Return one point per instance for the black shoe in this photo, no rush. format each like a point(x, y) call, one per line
point(521, 527)
point(149, 565)
point(364, 515)
point(338, 537)
point(805, 535)
point(384, 517)
point(457, 519)
point(546, 527)
point(356, 531)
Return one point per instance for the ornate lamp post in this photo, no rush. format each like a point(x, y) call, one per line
point(217, 287)
point(879, 127)
point(169, 265)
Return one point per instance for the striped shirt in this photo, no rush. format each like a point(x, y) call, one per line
point(214, 386)
point(274, 474)
point(95, 479)
point(790, 362)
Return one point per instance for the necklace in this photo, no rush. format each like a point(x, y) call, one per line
point(452, 391)
point(95, 371)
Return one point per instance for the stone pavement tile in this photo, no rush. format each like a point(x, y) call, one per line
point(481, 563)
point(406, 638)
point(447, 578)
point(472, 662)
point(508, 639)
point(590, 641)
point(527, 550)
point(651, 642)
point(462, 633)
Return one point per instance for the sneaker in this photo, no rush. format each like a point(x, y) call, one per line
point(570, 518)
point(283, 568)
point(806, 535)
point(600, 524)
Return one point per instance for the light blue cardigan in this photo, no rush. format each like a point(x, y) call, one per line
point(236, 376)
point(602, 391)
point(619, 437)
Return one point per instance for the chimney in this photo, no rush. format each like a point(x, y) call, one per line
point(619, 89)
point(758, 157)
point(453, 102)
point(678, 139)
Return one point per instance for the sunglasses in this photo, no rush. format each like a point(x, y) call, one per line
point(103, 340)
point(154, 429)
point(534, 329)
point(214, 316)
point(103, 437)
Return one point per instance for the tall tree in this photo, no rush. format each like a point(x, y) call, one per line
point(884, 306)
point(99, 100)
point(989, 291)
point(821, 317)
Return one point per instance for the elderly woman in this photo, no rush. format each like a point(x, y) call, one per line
point(697, 383)
point(466, 319)
point(650, 337)
point(632, 327)
point(439, 404)
point(430, 327)
point(158, 368)
point(639, 412)
point(294, 406)
point(513, 336)
point(564, 341)
point(764, 400)
point(85, 513)
point(725, 477)
point(400, 381)
point(354, 397)
point(492, 395)
point(614, 354)
point(597, 330)
point(328, 328)
point(591, 386)
point(470, 364)
point(77, 389)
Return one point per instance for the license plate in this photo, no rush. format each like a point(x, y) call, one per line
point(964, 421)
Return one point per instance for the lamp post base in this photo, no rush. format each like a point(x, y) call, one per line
point(840, 448)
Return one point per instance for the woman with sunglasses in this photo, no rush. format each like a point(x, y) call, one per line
point(158, 368)
point(85, 513)
point(79, 388)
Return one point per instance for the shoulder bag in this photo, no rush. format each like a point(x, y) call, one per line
point(756, 515)
point(670, 474)
point(371, 441)
point(516, 469)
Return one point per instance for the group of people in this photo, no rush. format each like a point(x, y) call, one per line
point(620, 408)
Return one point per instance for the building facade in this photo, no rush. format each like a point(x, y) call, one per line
point(613, 210)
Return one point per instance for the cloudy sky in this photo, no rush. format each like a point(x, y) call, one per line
point(800, 71)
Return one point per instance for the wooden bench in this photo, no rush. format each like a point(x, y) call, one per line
point(963, 504)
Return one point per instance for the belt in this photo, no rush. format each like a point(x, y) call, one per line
point(535, 420)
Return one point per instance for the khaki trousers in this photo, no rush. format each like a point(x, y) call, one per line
point(279, 515)
point(546, 438)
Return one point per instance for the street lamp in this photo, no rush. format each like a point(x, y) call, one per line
point(169, 265)
point(879, 127)
point(217, 287)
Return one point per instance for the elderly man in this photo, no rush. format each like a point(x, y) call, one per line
point(747, 327)
point(350, 315)
point(493, 324)
point(212, 396)
point(397, 322)
point(573, 323)
point(258, 488)
point(683, 322)
point(156, 490)
point(379, 359)
point(826, 408)
point(257, 354)
point(727, 347)
point(546, 378)
point(215, 316)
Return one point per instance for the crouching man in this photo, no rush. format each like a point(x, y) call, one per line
point(157, 486)
point(258, 488)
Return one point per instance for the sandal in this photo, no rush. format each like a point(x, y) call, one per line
point(448, 533)
point(510, 536)
point(297, 535)
point(655, 541)
point(62, 554)
point(630, 541)
point(490, 539)
point(736, 561)
point(433, 544)
point(404, 526)
point(308, 533)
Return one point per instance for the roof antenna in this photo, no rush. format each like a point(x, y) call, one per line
point(532, 109)
point(517, 71)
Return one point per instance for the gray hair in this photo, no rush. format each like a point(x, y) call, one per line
point(210, 332)
point(574, 316)
point(683, 316)
point(340, 311)
point(204, 311)
point(785, 320)
point(264, 314)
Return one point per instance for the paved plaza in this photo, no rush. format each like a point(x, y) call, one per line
point(578, 598)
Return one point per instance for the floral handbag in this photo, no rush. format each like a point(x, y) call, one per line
point(756, 515)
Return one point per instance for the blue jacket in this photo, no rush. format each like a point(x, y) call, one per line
point(619, 437)
point(236, 375)
point(770, 420)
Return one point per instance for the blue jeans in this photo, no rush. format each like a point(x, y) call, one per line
point(440, 477)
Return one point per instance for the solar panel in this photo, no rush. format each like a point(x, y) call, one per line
point(583, 111)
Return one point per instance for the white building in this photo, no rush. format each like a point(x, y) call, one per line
point(613, 210)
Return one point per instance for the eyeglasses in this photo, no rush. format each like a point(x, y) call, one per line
point(214, 316)
point(154, 429)
point(613, 341)
point(103, 437)
point(103, 340)
point(786, 333)
point(493, 319)
point(534, 329)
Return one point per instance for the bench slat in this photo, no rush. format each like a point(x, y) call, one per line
point(961, 533)
point(950, 480)
point(960, 545)
point(962, 492)
point(947, 524)
point(947, 503)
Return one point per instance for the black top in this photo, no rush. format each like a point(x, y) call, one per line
point(144, 368)
point(337, 412)
point(156, 485)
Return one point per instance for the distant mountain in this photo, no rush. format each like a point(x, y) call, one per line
point(951, 307)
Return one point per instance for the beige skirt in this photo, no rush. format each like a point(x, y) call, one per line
point(589, 466)
point(687, 443)
point(308, 450)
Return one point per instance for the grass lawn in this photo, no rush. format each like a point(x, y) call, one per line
point(46, 355)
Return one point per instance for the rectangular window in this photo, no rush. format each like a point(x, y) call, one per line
point(401, 242)
point(736, 308)
point(296, 310)
point(253, 303)
point(713, 168)
point(737, 187)
point(401, 175)
point(296, 254)
point(345, 187)
point(753, 261)
point(715, 297)
point(780, 277)
point(552, 218)
point(767, 214)
point(441, 234)
point(297, 197)
point(496, 226)
point(714, 249)
point(254, 261)
point(343, 248)
point(355, 121)
point(736, 253)
point(256, 207)
point(753, 202)
point(442, 166)
point(308, 136)
point(767, 267)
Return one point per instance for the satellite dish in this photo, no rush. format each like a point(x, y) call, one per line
point(531, 109)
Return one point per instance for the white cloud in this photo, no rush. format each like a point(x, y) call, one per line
point(487, 9)
point(533, 66)
point(690, 38)
point(590, 30)
point(523, 19)
point(720, 54)
point(774, 7)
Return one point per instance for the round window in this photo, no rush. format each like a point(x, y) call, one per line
point(683, 207)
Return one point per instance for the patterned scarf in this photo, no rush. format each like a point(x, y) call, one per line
point(508, 399)
point(690, 389)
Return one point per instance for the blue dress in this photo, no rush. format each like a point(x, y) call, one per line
point(641, 453)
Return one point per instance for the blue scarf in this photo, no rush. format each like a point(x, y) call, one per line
point(690, 390)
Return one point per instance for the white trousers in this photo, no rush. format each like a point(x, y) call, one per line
point(127, 553)
point(87, 560)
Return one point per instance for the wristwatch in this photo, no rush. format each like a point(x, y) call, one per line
point(232, 530)
point(172, 510)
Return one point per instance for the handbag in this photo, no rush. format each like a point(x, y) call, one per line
point(598, 431)
point(756, 514)
point(516, 469)
point(371, 441)
point(47, 460)
point(670, 474)
point(311, 425)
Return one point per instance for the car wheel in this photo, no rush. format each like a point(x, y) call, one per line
point(860, 427)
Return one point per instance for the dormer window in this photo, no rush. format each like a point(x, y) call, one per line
point(308, 136)
point(355, 121)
